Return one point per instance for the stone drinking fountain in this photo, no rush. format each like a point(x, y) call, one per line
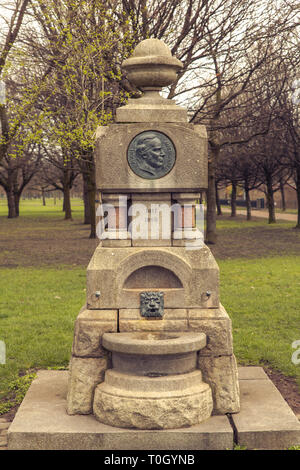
point(153, 346)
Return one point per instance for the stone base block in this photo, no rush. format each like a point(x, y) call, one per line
point(264, 422)
point(221, 374)
point(85, 374)
point(169, 402)
point(89, 328)
point(216, 324)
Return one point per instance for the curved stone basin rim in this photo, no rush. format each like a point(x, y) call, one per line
point(154, 343)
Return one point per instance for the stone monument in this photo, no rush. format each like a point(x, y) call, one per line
point(153, 346)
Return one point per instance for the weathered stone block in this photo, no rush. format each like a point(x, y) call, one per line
point(215, 313)
point(116, 242)
point(89, 328)
point(173, 320)
point(219, 338)
point(84, 375)
point(222, 376)
point(216, 324)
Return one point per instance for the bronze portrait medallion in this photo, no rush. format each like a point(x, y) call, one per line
point(151, 155)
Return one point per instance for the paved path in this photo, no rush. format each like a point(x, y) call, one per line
point(264, 214)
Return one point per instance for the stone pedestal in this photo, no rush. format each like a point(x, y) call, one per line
point(151, 271)
point(164, 403)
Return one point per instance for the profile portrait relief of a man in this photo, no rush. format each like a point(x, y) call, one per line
point(150, 156)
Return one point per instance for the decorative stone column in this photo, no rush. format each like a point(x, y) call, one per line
point(115, 233)
point(185, 219)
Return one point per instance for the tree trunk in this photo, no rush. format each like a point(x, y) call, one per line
point(67, 199)
point(298, 195)
point(86, 202)
point(11, 203)
point(219, 208)
point(270, 200)
point(67, 202)
point(91, 198)
point(248, 202)
point(283, 204)
point(17, 197)
point(10, 194)
point(211, 213)
point(43, 197)
point(233, 199)
point(88, 174)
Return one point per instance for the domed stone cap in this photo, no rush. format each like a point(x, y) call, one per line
point(151, 65)
point(151, 47)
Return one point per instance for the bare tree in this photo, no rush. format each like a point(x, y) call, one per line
point(10, 26)
point(16, 174)
point(254, 37)
point(290, 116)
point(58, 172)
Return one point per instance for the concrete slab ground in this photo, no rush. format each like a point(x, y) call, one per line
point(265, 421)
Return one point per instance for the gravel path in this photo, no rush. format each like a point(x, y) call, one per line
point(265, 214)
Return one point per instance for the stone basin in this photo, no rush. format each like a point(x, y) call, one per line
point(154, 343)
point(154, 382)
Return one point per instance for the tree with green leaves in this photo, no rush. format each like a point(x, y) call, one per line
point(11, 18)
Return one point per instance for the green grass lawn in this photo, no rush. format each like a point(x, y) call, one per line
point(237, 223)
point(38, 308)
point(38, 305)
point(34, 207)
point(262, 298)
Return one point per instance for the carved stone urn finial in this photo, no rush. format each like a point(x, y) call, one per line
point(150, 68)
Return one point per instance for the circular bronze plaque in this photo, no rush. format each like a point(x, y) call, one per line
point(151, 155)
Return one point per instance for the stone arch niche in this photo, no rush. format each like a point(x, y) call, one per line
point(153, 270)
point(151, 278)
